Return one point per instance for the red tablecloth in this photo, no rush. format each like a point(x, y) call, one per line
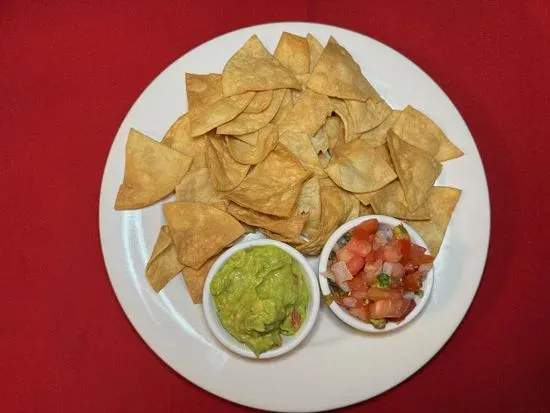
point(69, 72)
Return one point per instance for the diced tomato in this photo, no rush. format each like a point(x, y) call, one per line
point(377, 294)
point(396, 284)
point(412, 282)
point(416, 250)
point(398, 271)
point(359, 247)
point(340, 271)
point(371, 256)
point(351, 302)
point(393, 308)
point(344, 254)
point(371, 271)
point(389, 253)
point(405, 249)
point(296, 318)
point(356, 264)
point(410, 268)
point(366, 228)
point(422, 259)
point(357, 283)
point(362, 313)
point(412, 306)
point(359, 294)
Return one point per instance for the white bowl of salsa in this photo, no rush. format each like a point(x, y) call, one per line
point(246, 291)
point(369, 277)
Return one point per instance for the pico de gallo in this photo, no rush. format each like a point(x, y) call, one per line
point(375, 271)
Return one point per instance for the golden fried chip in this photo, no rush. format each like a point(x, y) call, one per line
point(163, 264)
point(315, 51)
point(290, 227)
point(251, 122)
point(260, 102)
point(357, 167)
point(368, 115)
point(273, 185)
point(179, 138)
point(194, 279)
point(341, 109)
point(335, 131)
point(293, 52)
point(279, 237)
point(365, 210)
point(242, 152)
point(151, 172)
point(324, 159)
point(196, 186)
point(441, 202)
point(391, 201)
point(309, 201)
point(199, 231)
point(202, 90)
point(303, 79)
point(319, 141)
point(337, 74)
point(199, 150)
point(205, 118)
point(299, 144)
point(418, 130)
point(254, 68)
point(225, 172)
point(377, 136)
point(284, 109)
point(308, 115)
point(416, 170)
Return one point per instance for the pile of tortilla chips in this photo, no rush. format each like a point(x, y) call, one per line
point(292, 144)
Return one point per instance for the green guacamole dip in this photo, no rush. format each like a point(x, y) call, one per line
point(260, 294)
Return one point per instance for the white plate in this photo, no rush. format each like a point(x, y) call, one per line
point(312, 377)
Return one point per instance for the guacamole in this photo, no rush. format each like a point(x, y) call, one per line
point(260, 294)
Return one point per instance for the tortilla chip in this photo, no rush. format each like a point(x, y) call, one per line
point(273, 185)
point(290, 227)
point(246, 154)
point(377, 136)
point(365, 210)
point(199, 150)
point(416, 170)
point(335, 131)
point(391, 201)
point(309, 201)
point(151, 172)
point(284, 109)
point(303, 79)
point(254, 68)
point(205, 118)
point(341, 109)
point(279, 237)
point(441, 202)
point(368, 115)
point(178, 136)
point(299, 144)
point(418, 130)
point(251, 122)
point(308, 115)
point(196, 186)
point(324, 159)
point(225, 172)
point(163, 264)
point(350, 205)
point(293, 52)
point(194, 279)
point(319, 141)
point(199, 231)
point(260, 102)
point(357, 167)
point(315, 51)
point(337, 74)
point(202, 90)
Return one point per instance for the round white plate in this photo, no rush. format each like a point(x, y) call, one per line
point(313, 377)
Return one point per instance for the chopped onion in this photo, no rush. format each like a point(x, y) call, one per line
point(340, 271)
point(344, 286)
point(329, 275)
point(350, 301)
point(387, 268)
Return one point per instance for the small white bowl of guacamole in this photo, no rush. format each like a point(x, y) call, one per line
point(261, 298)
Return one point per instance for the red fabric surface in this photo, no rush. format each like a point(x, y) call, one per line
point(69, 72)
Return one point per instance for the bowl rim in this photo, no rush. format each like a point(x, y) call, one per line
point(293, 341)
point(343, 314)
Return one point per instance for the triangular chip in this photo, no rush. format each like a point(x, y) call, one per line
point(206, 118)
point(273, 185)
point(300, 145)
point(293, 52)
point(254, 68)
point(309, 201)
point(357, 167)
point(341, 109)
point(377, 136)
point(199, 231)
point(179, 138)
point(194, 279)
point(337, 74)
point(163, 264)
point(391, 201)
point(202, 90)
point(284, 109)
point(419, 130)
point(196, 186)
point(441, 202)
point(260, 102)
point(308, 115)
point(251, 122)
point(416, 170)
point(151, 172)
point(315, 51)
point(282, 238)
point(365, 210)
point(247, 154)
point(368, 115)
point(290, 227)
point(225, 172)
point(335, 131)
